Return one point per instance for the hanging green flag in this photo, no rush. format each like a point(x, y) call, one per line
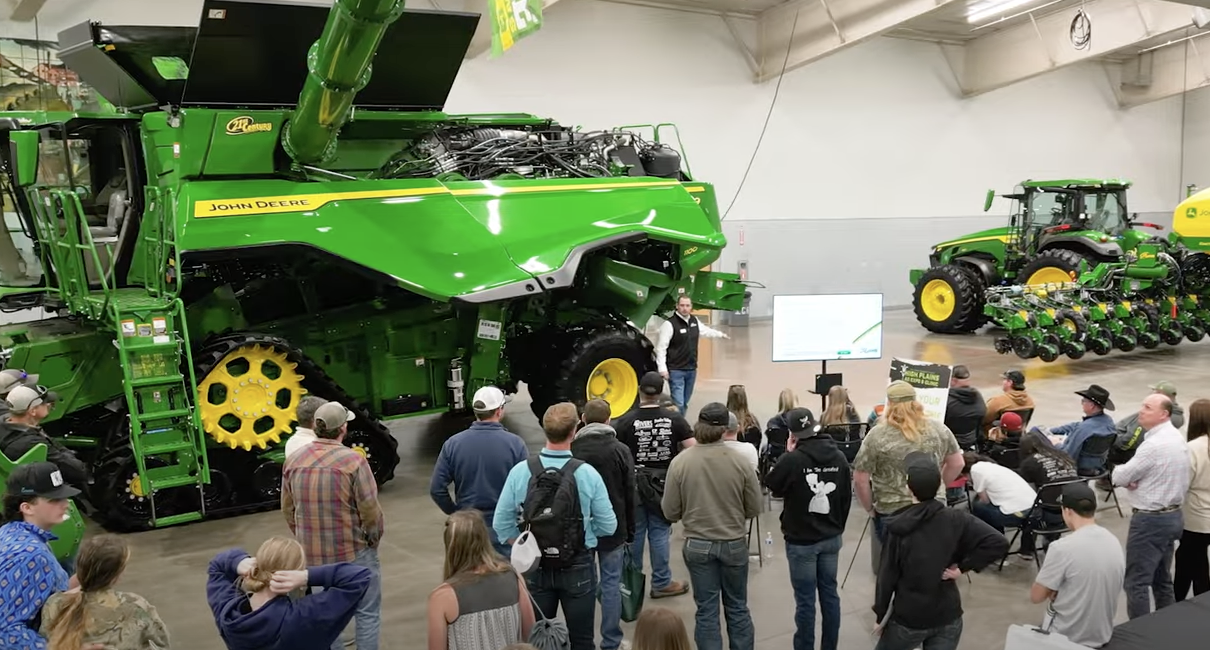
point(513, 20)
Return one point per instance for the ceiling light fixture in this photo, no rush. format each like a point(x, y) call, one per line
point(1019, 13)
point(983, 9)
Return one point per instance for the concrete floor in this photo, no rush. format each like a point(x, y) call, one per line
point(168, 567)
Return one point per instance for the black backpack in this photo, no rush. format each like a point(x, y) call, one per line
point(552, 512)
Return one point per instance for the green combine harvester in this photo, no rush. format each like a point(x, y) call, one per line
point(1158, 293)
point(224, 244)
point(1054, 228)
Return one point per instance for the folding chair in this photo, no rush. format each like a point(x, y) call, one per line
point(755, 523)
point(1099, 446)
point(1036, 524)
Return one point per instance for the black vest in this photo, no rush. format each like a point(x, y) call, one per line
point(682, 348)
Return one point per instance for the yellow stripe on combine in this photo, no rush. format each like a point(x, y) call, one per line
point(959, 242)
point(306, 202)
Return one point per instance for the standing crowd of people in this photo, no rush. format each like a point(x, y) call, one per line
point(532, 536)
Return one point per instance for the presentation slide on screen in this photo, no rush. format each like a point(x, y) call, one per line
point(827, 327)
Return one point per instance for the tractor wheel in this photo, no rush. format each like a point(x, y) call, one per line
point(1171, 333)
point(1024, 346)
point(1149, 340)
point(1127, 339)
point(602, 362)
point(949, 300)
point(1099, 345)
point(249, 386)
point(1074, 349)
point(1194, 333)
point(1057, 265)
point(1049, 348)
point(122, 503)
point(1074, 321)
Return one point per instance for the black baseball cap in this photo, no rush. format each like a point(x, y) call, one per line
point(801, 422)
point(961, 372)
point(1079, 498)
point(715, 413)
point(923, 475)
point(39, 480)
point(1015, 376)
point(652, 383)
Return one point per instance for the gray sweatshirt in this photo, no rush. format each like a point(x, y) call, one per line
point(712, 491)
point(1130, 434)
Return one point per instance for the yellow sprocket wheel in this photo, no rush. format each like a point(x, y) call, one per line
point(250, 397)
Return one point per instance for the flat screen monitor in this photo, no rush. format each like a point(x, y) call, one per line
point(827, 327)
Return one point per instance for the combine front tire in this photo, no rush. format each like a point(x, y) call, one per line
point(603, 362)
point(1054, 266)
point(949, 300)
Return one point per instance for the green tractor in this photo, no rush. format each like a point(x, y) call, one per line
point(1055, 225)
point(263, 218)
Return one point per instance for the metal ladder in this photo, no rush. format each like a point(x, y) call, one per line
point(153, 347)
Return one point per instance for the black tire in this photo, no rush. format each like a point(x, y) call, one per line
point(1074, 349)
point(364, 426)
point(1149, 340)
point(580, 351)
point(1024, 346)
point(1127, 339)
point(120, 510)
point(977, 318)
point(1171, 333)
point(1099, 345)
point(1074, 321)
point(1194, 332)
point(968, 299)
point(1061, 258)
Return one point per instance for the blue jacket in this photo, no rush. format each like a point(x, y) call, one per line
point(30, 575)
point(477, 462)
point(309, 623)
point(1078, 432)
point(599, 519)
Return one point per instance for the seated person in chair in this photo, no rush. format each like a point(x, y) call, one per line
point(1096, 423)
point(1014, 398)
point(965, 409)
point(20, 433)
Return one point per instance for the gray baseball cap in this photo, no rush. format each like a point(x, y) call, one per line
point(13, 377)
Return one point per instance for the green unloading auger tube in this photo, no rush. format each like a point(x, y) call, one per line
point(338, 67)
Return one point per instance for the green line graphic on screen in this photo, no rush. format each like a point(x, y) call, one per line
point(867, 332)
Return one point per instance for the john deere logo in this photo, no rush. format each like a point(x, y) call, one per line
point(245, 124)
point(1190, 213)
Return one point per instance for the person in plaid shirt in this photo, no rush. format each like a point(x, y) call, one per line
point(330, 501)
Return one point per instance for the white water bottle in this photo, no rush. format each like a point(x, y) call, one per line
point(769, 544)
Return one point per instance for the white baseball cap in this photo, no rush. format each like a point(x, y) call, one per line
point(489, 398)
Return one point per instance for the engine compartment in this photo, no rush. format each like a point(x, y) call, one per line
point(454, 153)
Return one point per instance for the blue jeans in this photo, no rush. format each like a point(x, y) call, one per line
point(898, 637)
point(368, 617)
point(680, 384)
point(650, 526)
point(1150, 544)
point(574, 587)
point(992, 516)
point(813, 567)
point(609, 564)
point(720, 569)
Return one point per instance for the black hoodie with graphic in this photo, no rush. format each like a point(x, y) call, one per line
point(964, 413)
point(924, 540)
point(814, 480)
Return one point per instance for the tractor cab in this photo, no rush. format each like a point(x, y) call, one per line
point(1048, 212)
point(72, 189)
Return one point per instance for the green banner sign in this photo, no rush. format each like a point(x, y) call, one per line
point(513, 20)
